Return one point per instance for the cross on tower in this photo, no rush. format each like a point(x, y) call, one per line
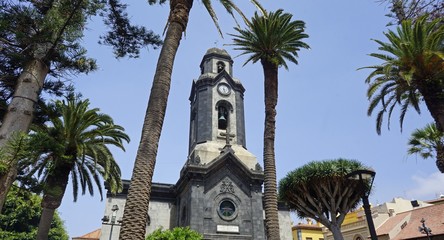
point(228, 136)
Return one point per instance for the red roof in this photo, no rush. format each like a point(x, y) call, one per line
point(405, 225)
point(94, 235)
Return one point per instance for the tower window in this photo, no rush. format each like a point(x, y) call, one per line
point(220, 66)
point(222, 117)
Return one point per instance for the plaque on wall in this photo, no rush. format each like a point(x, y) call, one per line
point(228, 228)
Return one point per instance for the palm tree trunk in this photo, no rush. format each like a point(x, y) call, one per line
point(45, 223)
point(20, 114)
point(55, 186)
point(136, 206)
point(440, 158)
point(270, 185)
point(434, 100)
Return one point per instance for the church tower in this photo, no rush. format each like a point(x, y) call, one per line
point(219, 192)
point(217, 111)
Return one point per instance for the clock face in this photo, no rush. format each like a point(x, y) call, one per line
point(224, 89)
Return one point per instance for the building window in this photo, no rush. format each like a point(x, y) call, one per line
point(227, 210)
point(220, 66)
point(222, 117)
point(308, 238)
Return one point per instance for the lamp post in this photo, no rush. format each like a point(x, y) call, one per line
point(365, 178)
point(425, 230)
point(112, 222)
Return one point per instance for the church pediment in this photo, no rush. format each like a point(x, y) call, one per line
point(227, 164)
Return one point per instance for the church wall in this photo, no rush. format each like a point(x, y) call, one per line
point(106, 228)
point(285, 224)
point(240, 120)
point(204, 109)
point(162, 213)
point(257, 216)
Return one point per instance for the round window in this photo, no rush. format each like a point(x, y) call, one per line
point(227, 210)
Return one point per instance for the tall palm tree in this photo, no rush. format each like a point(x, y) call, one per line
point(273, 39)
point(428, 142)
point(76, 144)
point(42, 39)
point(136, 207)
point(412, 71)
point(320, 190)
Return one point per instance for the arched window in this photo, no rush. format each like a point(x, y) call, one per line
point(222, 118)
point(220, 66)
point(358, 237)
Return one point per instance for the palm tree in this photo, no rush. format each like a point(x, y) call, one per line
point(42, 39)
point(273, 39)
point(320, 190)
point(74, 144)
point(427, 142)
point(136, 206)
point(412, 71)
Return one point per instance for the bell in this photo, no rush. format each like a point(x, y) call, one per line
point(222, 119)
point(222, 122)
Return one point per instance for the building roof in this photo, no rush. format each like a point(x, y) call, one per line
point(439, 200)
point(219, 51)
point(94, 235)
point(405, 225)
point(307, 227)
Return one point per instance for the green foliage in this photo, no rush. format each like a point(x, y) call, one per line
point(77, 137)
point(321, 190)
point(178, 233)
point(14, 150)
point(273, 37)
point(52, 31)
point(125, 38)
point(20, 217)
point(412, 70)
point(319, 170)
point(401, 10)
point(426, 141)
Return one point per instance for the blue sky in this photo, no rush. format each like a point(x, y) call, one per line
point(321, 110)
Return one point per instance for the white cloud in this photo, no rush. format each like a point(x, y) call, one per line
point(427, 187)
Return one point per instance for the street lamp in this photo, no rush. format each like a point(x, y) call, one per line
point(112, 222)
point(365, 178)
point(424, 229)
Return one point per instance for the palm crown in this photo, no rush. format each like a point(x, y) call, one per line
point(273, 37)
point(412, 69)
point(79, 138)
point(428, 142)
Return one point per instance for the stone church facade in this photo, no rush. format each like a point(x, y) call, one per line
point(219, 192)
